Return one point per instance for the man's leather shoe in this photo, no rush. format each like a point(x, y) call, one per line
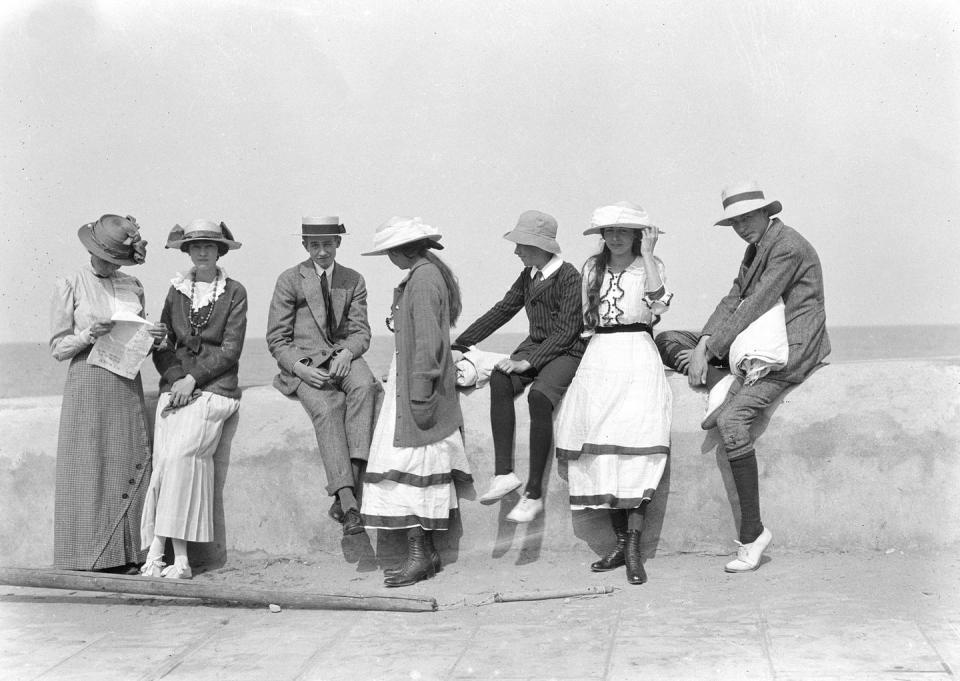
point(336, 510)
point(352, 523)
point(749, 555)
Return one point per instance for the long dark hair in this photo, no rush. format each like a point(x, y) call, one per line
point(599, 262)
point(423, 248)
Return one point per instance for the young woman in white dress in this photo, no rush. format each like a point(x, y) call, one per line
point(614, 424)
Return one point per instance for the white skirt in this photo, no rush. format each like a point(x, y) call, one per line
point(614, 423)
point(410, 486)
point(179, 501)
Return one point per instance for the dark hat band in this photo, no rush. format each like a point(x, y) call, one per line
point(112, 252)
point(744, 196)
point(323, 230)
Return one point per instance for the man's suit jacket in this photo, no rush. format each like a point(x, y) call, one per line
point(785, 265)
point(297, 324)
point(553, 312)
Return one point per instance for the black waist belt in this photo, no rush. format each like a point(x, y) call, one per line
point(625, 328)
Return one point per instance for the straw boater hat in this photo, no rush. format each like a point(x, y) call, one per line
point(321, 226)
point(398, 231)
point(744, 197)
point(535, 229)
point(114, 239)
point(623, 214)
point(201, 230)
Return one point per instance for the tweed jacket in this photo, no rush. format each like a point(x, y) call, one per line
point(221, 342)
point(297, 322)
point(785, 265)
point(553, 312)
point(428, 408)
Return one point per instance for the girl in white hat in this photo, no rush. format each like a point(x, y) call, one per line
point(614, 424)
point(417, 450)
point(206, 312)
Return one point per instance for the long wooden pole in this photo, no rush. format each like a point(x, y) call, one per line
point(545, 595)
point(224, 593)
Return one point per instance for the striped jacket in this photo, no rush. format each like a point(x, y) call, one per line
point(553, 312)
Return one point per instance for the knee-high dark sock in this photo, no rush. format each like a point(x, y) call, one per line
point(541, 439)
point(635, 517)
point(503, 421)
point(746, 477)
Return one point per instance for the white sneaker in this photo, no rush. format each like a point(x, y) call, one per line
point(748, 555)
point(499, 486)
point(715, 399)
point(153, 567)
point(179, 570)
point(526, 510)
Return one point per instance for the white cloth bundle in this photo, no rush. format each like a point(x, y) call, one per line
point(762, 347)
point(475, 367)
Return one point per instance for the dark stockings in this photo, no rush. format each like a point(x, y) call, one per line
point(503, 420)
point(746, 477)
point(541, 439)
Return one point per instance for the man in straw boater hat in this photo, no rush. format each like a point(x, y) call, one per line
point(778, 264)
point(317, 330)
point(548, 289)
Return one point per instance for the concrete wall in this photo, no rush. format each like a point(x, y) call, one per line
point(861, 456)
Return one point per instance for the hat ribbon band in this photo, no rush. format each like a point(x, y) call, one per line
point(109, 250)
point(744, 196)
point(203, 234)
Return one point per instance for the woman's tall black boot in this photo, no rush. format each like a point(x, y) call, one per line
point(635, 572)
point(614, 559)
point(431, 551)
point(418, 564)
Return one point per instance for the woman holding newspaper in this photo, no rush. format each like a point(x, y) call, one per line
point(103, 452)
point(206, 313)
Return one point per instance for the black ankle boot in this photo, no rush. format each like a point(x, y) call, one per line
point(635, 572)
point(418, 564)
point(614, 559)
point(431, 551)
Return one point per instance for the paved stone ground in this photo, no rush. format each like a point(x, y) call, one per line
point(855, 617)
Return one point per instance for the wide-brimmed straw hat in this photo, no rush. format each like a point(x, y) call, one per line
point(744, 197)
point(201, 230)
point(321, 226)
point(535, 229)
point(399, 230)
point(623, 214)
point(114, 239)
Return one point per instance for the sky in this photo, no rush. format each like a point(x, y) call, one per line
point(469, 113)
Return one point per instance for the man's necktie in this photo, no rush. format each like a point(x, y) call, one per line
point(537, 281)
point(327, 305)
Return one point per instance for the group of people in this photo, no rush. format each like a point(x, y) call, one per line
point(594, 375)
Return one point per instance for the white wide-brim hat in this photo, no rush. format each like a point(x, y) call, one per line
point(399, 230)
point(742, 198)
point(623, 214)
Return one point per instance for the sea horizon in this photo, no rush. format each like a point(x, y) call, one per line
point(28, 370)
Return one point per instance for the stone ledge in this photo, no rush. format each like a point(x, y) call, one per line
point(861, 456)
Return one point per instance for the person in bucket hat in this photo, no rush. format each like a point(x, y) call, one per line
point(778, 264)
point(548, 289)
point(103, 448)
point(417, 446)
point(206, 314)
point(317, 330)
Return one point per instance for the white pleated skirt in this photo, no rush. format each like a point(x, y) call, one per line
point(614, 423)
point(179, 501)
point(410, 486)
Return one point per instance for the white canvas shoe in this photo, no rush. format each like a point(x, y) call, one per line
point(748, 555)
point(526, 510)
point(153, 567)
point(718, 394)
point(179, 570)
point(499, 486)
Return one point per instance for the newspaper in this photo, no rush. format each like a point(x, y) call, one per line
point(123, 350)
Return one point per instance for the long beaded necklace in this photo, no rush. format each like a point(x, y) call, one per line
point(198, 318)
